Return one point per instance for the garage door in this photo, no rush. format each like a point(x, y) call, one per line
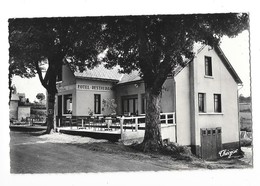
point(210, 143)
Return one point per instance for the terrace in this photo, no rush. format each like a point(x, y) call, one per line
point(115, 128)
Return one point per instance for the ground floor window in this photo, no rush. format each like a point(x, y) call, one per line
point(201, 100)
point(67, 109)
point(130, 105)
point(60, 105)
point(97, 103)
point(217, 103)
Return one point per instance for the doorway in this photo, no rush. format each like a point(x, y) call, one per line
point(211, 143)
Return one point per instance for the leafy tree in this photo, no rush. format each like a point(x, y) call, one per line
point(40, 97)
point(155, 45)
point(37, 41)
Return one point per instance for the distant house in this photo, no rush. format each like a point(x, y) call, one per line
point(13, 107)
point(203, 95)
point(18, 109)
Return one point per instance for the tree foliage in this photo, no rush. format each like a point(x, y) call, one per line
point(152, 44)
point(40, 96)
point(155, 45)
point(55, 41)
point(36, 41)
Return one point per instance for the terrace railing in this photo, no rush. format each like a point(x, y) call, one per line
point(133, 123)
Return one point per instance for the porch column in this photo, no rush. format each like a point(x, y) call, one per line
point(139, 103)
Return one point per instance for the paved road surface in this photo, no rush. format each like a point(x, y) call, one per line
point(29, 156)
point(61, 153)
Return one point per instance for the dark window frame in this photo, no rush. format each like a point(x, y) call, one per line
point(217, 103)
point(65, 98)
point(202, 102)
point(208, 66)
point(127, 99)
point(97, 103)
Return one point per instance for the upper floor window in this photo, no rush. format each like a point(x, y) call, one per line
point(208, 66)
point(217, 103)
point(201, 100)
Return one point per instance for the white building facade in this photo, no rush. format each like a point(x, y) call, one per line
point(203, 95)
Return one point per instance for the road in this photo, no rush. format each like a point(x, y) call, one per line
point(28, 155)
point(61, 153)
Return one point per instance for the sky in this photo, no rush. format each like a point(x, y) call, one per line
point(236, 50)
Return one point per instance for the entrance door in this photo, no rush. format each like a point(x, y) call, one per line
point(59, 106)
point(130, 105)
point(59, 114)
point(210, 143)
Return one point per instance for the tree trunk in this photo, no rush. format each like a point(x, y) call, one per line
point(152, 138)
point(50, 112)
point(10, 77)
point(54, 65)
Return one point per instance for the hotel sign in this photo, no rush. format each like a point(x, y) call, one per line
point(93, 87)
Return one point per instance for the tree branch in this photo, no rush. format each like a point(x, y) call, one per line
point(39, 72)
point(164, 69)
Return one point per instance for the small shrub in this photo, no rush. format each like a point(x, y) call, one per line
point(245, 142)
point(177, 151)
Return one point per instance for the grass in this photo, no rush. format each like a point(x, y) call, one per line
point(246, 121)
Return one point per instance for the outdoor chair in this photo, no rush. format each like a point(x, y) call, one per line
point(95, 123)
point(101, 122)
point(92, 121)
point(128, 122)
point(108, 122)
point(81, 123)
point(115, 123)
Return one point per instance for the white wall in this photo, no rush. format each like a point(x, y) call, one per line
point(128, 90)
point(137, 88)
point(13, 109)
point(183, 105)
point(85, 98)
point(168, 94)
point(24, 112)
point(221, 83)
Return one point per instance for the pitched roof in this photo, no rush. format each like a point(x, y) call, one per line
point(198, 48)
point(100, 73)
point(133, 76)
point(228, 65)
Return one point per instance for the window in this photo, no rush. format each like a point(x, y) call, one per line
point(130, 105)
point(202, 102)
point(217, 103)
point(208, 66)
point(97, 104)
point(59, 105)
point(67, 103)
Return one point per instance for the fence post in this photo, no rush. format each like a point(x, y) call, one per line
point(121, 126)
point(136, 124)
point(166, 119)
